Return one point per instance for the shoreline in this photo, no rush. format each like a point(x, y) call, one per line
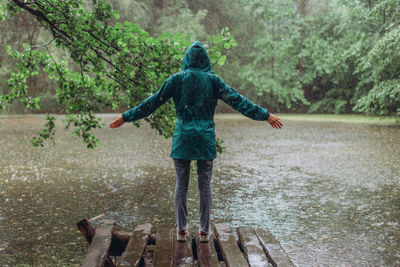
point(346, 118)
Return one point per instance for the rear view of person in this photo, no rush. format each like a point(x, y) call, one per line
point(195, 91)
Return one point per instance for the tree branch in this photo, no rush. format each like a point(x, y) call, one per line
point(41, 45)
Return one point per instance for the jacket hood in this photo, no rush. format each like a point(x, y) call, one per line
point(196, 57)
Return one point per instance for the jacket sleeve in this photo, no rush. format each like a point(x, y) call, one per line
point(241, 103)
point(153, 102)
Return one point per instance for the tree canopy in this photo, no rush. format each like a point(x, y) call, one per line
point(314, 56)
point(116, 64)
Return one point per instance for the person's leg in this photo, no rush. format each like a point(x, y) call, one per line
point(204, 171)
point(182, 168)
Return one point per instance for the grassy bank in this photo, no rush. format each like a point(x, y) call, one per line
point(347, 118)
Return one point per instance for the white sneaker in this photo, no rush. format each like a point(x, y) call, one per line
point(182, 235)
point(204, 237)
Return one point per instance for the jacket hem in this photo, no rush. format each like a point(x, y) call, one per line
point(193, 157)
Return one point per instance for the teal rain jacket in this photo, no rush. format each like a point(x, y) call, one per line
point(195, 91)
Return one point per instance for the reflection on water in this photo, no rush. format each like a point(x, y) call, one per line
point(329, 191)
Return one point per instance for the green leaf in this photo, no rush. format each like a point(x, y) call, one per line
point(221, 60)
point(116, 14)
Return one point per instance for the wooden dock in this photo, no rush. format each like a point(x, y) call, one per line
point(157, 246)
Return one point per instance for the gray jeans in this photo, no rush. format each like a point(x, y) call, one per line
point(204, 172)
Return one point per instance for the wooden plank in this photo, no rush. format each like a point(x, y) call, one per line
point(163, 251)
point(229, 248)
point(206, 253)
point(273, 249)
point(253, 251)
point(86, 229)
point(183, 256)
point(120, 240)
point(136, 246)
point(97, 255)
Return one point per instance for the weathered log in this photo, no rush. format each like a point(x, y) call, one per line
point(229, 247)
point(97, 255)
point(163, 252)
point(253, 251)
point(273, 249)
point(137, 244)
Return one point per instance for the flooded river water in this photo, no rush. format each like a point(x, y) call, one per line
point(329, 191)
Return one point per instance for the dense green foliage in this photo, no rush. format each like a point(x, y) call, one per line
point(327, 56)
point(118, 64)
point(315, 56)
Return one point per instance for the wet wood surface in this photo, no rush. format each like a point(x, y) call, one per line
point(164, 249)
point(132, 256)
point(253, 250)
point(273, 249)
point(119, 242)
point(183, 256)
point(229, 248)
point(97, 255)
point(255, 247)
point(206, 253)
point(86, 229)
point(119, 238)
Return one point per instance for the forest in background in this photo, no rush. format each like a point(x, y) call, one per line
point(308, 56)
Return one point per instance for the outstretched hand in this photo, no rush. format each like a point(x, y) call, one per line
point(275, 121)
point(117, 122)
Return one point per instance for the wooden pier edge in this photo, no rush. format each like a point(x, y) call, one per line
point(252, 249)
point(206, 254)
point(132, 255)
point(273, 249)
point(99, 246)
point(229, 248)
point(141, 247)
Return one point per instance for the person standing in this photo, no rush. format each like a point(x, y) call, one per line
point(195, 91)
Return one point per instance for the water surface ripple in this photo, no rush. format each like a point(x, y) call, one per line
point(329, 191)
